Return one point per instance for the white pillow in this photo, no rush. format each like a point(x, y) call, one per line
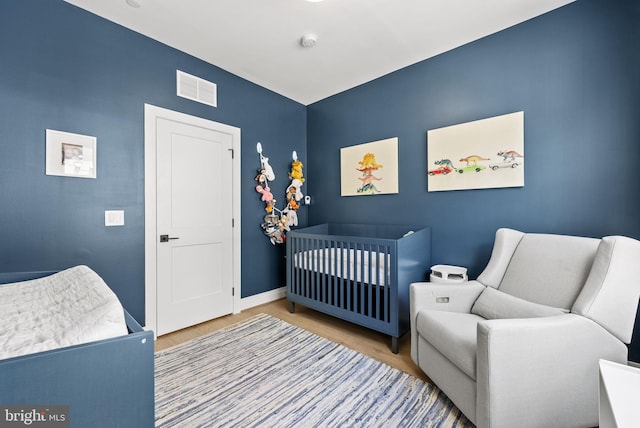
point(494, 304)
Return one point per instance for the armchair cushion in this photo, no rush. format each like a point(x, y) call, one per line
point(494, 304)
point(549, 269)
point(453, 334)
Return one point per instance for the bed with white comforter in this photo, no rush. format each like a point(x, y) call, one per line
point(66, 339)
point(68, 308)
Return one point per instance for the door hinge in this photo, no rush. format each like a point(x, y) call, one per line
point(233, 292)
point(231, 150)
point(233, 222)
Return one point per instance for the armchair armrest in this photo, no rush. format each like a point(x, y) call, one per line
point(444, 297)
point(440, 297)
point(530, 371)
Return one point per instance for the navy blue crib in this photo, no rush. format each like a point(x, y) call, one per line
point(358, 272)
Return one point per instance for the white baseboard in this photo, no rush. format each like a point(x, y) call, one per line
point(262, 298)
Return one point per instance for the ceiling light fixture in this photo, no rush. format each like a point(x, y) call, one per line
point(133, 3)
point(308, 40)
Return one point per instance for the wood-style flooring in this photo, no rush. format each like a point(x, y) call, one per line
point(375, 345)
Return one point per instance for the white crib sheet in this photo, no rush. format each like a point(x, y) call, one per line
point(357, 265)
point(70, 307)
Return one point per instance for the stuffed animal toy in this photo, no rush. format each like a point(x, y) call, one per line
point(271, 228)
point(270, 205)
point(261, 178)
point(270, 220)
point(274, 234)
point(266, 193)
point(283, 225)
point(294, 190)
point(296, 171)
point(292, 216)
point(293, 205)
point(268, 171)
point(291, 193)
point(267, 197)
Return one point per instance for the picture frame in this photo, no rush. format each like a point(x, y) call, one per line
point(369, 168)
point(482, 154)
point(70, 155)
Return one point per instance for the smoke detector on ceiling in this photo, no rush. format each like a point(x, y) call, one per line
point(308, 40)
point(133, 3)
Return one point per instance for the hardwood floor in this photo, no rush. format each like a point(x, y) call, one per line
point(368, 342)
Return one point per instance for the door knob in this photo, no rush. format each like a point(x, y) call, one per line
point(166, 238)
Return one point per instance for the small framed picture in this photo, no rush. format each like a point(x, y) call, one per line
point(369, 168)
point(71, 155)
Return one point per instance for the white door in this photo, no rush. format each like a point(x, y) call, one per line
point(194, 174)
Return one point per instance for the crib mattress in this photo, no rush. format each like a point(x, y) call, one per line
point(347, 263)
point(68, 308)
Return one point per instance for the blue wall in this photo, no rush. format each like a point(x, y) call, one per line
point(66, 69)
point(575, 72)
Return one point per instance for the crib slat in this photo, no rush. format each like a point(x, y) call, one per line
point(309, 270)
point(390, 281)
point(379, 285)
point(325, 269)
point(369, 280)
point(339, 275)
point(316, 273)
point(349, 277)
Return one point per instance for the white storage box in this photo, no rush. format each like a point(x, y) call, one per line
point(445, 274)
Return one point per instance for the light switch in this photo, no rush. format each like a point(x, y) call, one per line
point(114, 218)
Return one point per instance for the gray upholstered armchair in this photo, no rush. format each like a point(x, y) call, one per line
point(520, 346)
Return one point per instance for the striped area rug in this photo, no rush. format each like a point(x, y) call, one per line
point(265, 372)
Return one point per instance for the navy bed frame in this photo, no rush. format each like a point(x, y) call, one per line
point(106, 383)
point(381, 308)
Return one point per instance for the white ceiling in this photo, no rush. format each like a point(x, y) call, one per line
point(358, 40)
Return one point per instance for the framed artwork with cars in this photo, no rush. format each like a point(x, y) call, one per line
point(483, 154)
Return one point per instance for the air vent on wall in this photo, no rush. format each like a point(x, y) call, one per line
point(196, 89)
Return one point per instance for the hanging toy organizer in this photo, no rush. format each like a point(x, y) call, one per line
point(277, 222)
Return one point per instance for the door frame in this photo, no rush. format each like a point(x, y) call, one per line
point(151, 115)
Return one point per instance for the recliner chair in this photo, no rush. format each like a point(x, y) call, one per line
point(519, 347)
